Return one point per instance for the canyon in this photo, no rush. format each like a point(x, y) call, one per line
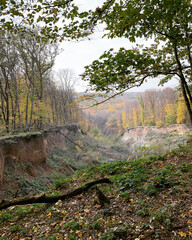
point(31, 162)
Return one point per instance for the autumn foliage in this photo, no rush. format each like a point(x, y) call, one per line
point(149, 108)
point(31, 95)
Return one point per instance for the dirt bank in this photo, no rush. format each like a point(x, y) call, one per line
point(31, 149)
point(169, 136)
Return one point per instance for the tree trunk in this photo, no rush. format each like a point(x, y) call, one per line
point(183, 83)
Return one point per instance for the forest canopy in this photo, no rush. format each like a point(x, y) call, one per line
point(167, 23)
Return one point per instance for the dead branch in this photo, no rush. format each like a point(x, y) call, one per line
point(43, 198)
point(69, 139)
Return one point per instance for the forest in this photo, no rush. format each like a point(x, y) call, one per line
point(149, 108)
point(32, 95)
point(108, 163)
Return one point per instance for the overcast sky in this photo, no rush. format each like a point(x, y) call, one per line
point(76, 55)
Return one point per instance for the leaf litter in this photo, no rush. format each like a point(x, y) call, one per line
point(150, 199)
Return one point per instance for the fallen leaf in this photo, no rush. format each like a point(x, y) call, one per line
point(182, 234)
point(49, 214)
point(98, 206)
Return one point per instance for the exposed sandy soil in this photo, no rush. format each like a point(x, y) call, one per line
point(159, 138)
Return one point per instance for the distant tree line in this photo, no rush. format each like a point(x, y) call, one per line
point(167, 23)
point(31, 95)
point(150, 108)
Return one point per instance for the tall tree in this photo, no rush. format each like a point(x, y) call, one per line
point(181, 111)
point(142, 105)
point(167, 22)
point(36, 60)
point(151, 99)
point(29, 97)
point(9, 73)
point(67, 80)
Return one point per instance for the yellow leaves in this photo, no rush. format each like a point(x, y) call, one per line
point(80, 234)
point(55, 11)
point(135, 117)
point(181, 111)
point(49, 215)
point(170, 113)
point(81, 98)
point(159, 123)
point(124, 120)
point(110, 109)
point(78, 148)
point(63, 212)
point(86, 210)
point(182, 234)
point(34, 229)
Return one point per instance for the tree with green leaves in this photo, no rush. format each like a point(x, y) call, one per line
point(53, 16)
point(167, 23)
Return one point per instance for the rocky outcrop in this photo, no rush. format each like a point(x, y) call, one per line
point(31, 149)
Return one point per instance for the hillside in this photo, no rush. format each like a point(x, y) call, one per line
point(31, 162)
point(143, 141)
point(150, 198)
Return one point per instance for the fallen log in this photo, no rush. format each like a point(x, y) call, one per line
point(43, 198)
